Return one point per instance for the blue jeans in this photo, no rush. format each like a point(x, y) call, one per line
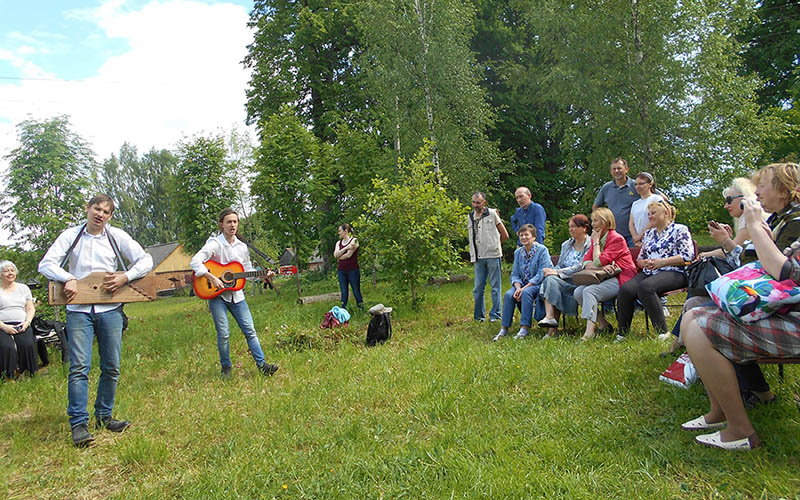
point(241, 313)
point(82, 329)
point(487, 268)
point(528, 301)
point(353, 276)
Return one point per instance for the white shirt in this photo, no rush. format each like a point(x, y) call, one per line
point(218, 248)
point(93, 253)
point(12, 304)
point(639, 211)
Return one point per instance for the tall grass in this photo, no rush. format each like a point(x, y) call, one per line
point(438, 412)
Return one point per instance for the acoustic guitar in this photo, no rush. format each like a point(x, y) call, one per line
point(232, 275)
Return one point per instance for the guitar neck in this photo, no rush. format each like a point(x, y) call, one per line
point(250, 274)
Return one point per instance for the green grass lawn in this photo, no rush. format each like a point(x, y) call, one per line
point(438, 412)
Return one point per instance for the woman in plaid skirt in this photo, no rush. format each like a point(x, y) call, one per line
point(715, 341)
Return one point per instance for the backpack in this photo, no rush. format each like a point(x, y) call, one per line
point(379, 329)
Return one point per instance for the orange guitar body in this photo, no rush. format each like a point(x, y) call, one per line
point(225, 272)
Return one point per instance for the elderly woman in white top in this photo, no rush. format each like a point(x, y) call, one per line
point(17, 343)
point(557, 288)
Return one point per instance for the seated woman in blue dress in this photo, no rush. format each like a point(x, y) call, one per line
point(530, 260)
point(557, 288)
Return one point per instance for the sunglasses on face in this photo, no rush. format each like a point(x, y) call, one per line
point(729, 199)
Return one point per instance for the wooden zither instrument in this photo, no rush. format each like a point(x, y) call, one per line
point(90, 291)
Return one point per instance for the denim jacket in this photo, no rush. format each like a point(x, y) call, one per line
point(530, 265)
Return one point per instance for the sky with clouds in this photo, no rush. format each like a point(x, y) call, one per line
point(147, 72)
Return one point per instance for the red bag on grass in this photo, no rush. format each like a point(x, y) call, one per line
point(681, 373)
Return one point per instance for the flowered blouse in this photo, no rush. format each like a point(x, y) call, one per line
point(570, 261)
point(674, 240)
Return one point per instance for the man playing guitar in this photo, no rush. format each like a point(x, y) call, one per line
point(225, 248)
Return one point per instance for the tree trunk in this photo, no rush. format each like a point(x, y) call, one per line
point(423, 33)
point(644, 115)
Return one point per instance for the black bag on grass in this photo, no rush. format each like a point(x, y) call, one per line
point(379, 329)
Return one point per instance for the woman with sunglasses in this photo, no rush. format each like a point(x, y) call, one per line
point(740, 189)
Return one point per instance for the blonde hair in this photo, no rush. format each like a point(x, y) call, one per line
point(785, 178)
point(605, 216)
point(742, 186)
point(671, 211)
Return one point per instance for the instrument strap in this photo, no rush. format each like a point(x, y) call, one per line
point(111, 240)
point(256, 250)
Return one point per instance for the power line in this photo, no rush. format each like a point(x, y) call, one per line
point(56, 80)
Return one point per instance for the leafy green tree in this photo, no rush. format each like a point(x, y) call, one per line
point(142, 189)
point(422, 74)
point(303, 55)
point(202, 191)
point(657, 82)
point(290, 180)
point(410, 226)
point(48, 180)
point(527, 126)
point(772, 50)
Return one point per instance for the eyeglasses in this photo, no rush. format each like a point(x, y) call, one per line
point(729, 199)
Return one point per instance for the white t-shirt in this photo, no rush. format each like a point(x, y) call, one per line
point(12, 304)
point(639, 211)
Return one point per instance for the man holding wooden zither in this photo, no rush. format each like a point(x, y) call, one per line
point(92, 248)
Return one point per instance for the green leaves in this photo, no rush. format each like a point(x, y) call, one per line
point(409, 227)
point(202, 193)
point(48, 180)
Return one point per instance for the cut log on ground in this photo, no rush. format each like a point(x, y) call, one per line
point(455, 278)
point(320, 298)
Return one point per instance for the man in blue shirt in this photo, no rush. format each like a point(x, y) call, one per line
point(528, 213)
point(619, 194)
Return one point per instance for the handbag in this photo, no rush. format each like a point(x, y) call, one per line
point(588, 277)
point(702, 272)
point(750, 294)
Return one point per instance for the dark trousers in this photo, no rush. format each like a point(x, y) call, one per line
point(353, 277)
point(647, 289)
point(17, 353)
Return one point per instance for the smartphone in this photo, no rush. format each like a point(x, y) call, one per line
point(714, 224)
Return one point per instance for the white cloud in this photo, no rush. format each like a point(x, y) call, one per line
point(181, 75)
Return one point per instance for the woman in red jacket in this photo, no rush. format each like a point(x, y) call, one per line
point(608, 248)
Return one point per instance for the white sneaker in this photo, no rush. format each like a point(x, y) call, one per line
point(498, 336)
point(665, 336)
point(521, 334)
point(666, 311)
